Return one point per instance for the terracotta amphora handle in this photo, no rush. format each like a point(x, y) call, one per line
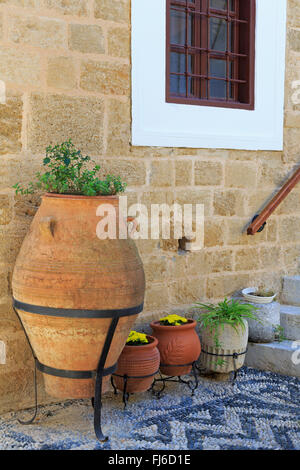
point(46, 225)
point(134, 223)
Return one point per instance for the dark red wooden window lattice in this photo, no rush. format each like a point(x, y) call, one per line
point(211, 52)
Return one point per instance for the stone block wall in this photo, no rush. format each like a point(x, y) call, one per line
point(66, 67)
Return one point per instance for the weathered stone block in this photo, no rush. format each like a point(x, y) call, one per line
point(86, 38)
point(23, 3)
point(5, 209)
point(291, 145)
point(208, 173)
point(157, 197)
point(37, 31)
point(272, 173)
point(292, 118)
point(229, 203)
point(195, 196)
point(10, 244)
point(3, 284)
point(270, 256)
point(219, 261)
point(290, 205)
point(226, 285)
point(119, 42)
point(213, 233)
point(247, 259)
point(156, 297)
point(55, 118)
point(11, 123)
point(291, 255)
point(293, 12)
point(241, 174)
point(118, 132)
point(272, 230)
point(275, 357)
point(289, 229)
point(156, 268)
point(17, 67)
point(294, 39)
point(132, 172)
point(113, 10)
point(290, 321)
point(263, 329)
point(68, 7)
point(291, 290)
point(61, 73)
point(183, 172)
point(187, 291)
point(162, 173)
point(105, 77)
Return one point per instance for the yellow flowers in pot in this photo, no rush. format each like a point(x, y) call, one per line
point(136, 339)
point(172, 320)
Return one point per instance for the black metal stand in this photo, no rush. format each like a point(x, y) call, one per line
point(191, 383)
point(125, 382)
point(234, 358)
point(75, 374)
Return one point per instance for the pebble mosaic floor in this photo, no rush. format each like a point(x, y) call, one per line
point(260, 411)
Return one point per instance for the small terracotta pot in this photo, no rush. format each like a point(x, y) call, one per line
point(177, 345)
point(138, 361)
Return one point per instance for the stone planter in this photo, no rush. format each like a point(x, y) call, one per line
point(178, 345)
point(138, 362)
point(249, 295)
point(231, 341)
point(263, 331)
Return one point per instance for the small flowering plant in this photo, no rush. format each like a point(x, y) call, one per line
point(173, 320)
point(136, 339)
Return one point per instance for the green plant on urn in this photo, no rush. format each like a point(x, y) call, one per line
point(224, 334)
point(76, 293)
point(68, 171)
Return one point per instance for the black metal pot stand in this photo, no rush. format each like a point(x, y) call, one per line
point(234, 356)
point(126, 378)
point(192, 382)
point(72, 374)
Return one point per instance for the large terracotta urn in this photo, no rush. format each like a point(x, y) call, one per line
point(68, 284)
point(140, 364)
point(179, 347)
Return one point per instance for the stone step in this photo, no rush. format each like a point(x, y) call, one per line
point(283, 358)
point(290, 321)
point(291, 290)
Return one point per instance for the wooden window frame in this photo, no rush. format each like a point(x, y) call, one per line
point(243, 50)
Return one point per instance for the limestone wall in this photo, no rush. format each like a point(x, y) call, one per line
point(66, 66)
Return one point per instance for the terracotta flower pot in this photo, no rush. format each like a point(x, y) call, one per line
point(63, 265)
point(177, 345)
point(138, 361)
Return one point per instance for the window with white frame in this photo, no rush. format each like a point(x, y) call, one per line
point(208, 73)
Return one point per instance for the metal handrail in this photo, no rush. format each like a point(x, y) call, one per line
point(259, 221)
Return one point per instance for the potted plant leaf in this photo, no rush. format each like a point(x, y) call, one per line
point(137, 364)
point(178, 344)
point(224, 334)
point(69, 284)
